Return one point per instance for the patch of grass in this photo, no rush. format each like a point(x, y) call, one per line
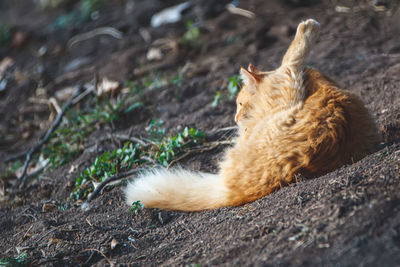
point(66, 142)
point(161, 149)
point(106, 112)
point(5, 34)
point(170, 146)
point(106, 165)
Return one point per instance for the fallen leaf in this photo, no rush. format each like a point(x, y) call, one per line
point(19, 76)
point(169, 15)
point(53, 240)
point(114, 243)
point(108, 86)
point(240, 11)
point(4, 65)
point(72, 169)
point(154, 54)
point(54, 107)
point(48, 207)
point(64, 94)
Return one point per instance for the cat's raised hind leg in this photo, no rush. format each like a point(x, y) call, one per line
point(293, 62)
point(299, 49)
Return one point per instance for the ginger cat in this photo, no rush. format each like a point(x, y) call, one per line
point(292, 120)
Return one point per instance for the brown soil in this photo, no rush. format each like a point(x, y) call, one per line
point(350, 217)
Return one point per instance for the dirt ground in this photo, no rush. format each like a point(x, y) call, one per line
point(350, 217)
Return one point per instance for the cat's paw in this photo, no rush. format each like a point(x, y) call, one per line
point(308, 28)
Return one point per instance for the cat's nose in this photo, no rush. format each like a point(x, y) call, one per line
point(236, 118)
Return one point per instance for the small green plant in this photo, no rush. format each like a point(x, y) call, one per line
point(106, 112)
point(135, 207)
point(154, 129)
point(233, 86)
point(191, 37)
point(64, 206)
point(233, 39)
point(19, 260)
point(89, 6)
point(217, 99)
point(169, 147)
point(86, 10)
point(5, 34)
point(135, 98)
point(65, 21)
point(233, 89)
point(177, 80)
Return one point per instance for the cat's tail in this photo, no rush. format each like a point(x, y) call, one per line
point(177, 190)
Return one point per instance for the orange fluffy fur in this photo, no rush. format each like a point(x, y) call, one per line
point(292, 120)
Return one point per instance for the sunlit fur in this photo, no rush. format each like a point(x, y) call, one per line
point(292, 121)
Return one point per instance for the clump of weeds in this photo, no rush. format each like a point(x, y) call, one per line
point(157, 149)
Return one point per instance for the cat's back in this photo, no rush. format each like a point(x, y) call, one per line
point(338, 125)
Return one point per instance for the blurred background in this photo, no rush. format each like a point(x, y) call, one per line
point(165, 73)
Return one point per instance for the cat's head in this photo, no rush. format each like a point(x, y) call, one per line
point(251, 78)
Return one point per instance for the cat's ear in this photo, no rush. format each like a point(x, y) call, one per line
point(251, 68)
point(250, 80)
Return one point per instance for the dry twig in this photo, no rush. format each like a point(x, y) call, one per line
point(74, 101)
point(110, 179)
point(207, 147)
point(240, 11)
point(120, 137)
point(22, 178)
point(98, 31)
point(102, 254)
point(130, 138)
point(15, 157)
point(73, 75)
